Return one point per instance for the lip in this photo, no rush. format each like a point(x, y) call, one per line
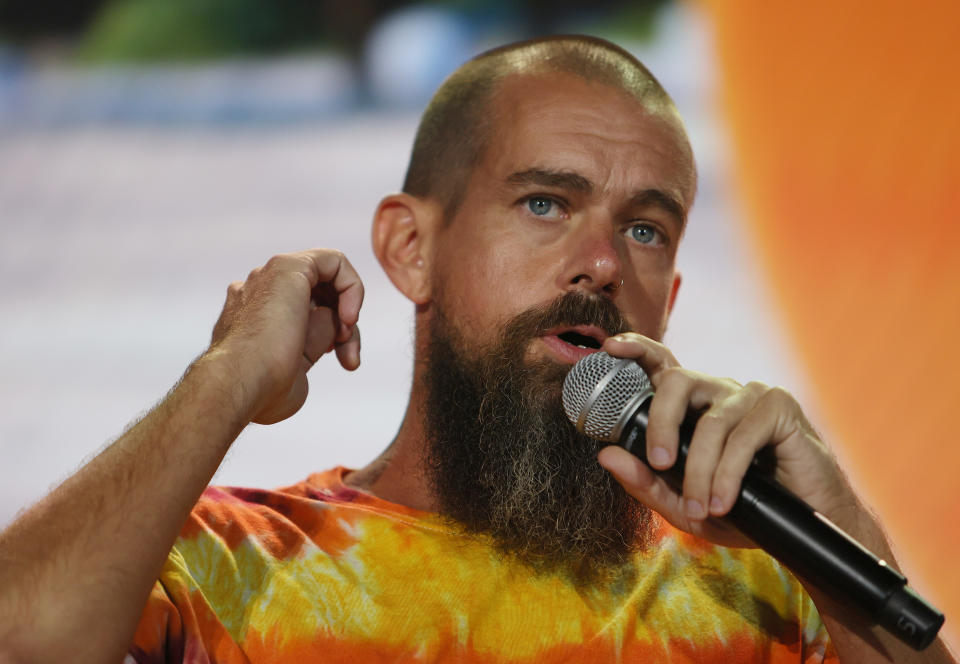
point(568, 353)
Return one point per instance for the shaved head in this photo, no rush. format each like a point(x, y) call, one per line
point(459, 121)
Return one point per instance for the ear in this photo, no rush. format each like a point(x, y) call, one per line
point(403, 228)
point(674, 289)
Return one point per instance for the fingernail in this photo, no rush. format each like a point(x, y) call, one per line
point(659, 456)
point(695, 509)
point(716, 505)
point(619, 337)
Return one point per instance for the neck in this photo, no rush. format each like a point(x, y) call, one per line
point(396, 475)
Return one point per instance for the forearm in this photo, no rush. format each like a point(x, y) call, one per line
point(859, 642)
point(77, 568)
point(857, 639)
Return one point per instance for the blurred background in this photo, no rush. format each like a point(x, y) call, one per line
point(153, 151)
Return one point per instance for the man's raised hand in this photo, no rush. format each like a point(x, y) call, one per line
point(111, 524)
point(275, 325)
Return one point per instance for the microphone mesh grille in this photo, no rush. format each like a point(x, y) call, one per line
point(616, 394)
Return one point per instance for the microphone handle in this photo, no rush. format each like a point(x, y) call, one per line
point(808, 543)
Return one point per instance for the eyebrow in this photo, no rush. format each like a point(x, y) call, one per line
point(547, 178)
point(663, 200)
point(580, 184)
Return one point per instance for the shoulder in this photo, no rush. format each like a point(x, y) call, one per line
point(316, 516)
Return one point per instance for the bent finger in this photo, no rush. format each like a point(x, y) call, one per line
point(348, 352)
point(654, 492)
point(333, 267)
point(679, 391)
point(651, 355)
point(707, 447)
point(667, 410)
point(321, 332)
point(639, 480)
point(758, 428)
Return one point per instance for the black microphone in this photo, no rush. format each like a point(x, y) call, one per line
point(608, 399)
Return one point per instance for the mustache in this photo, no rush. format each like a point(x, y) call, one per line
point(570, 309)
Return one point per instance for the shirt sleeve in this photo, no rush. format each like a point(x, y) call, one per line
point(178, 624)
point(159, 635)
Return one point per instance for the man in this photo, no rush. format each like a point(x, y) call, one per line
point(546, 196)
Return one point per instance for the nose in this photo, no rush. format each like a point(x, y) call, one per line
point(593, 263)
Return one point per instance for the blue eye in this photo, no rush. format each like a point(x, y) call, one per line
point(644, 234)
point(540, 206)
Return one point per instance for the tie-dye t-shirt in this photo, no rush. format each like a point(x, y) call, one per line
point(320, 572)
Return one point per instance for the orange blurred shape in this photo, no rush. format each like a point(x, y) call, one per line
point(846, 124)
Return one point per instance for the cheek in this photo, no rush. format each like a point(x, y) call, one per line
point(466, 283)
point(484, 287)
point(649, 309)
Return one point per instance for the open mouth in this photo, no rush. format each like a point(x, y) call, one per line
point(579, 340)
point(570, 344)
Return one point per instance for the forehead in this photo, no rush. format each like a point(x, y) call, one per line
point(563, 122)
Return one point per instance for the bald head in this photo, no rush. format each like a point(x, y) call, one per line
point(459, 122)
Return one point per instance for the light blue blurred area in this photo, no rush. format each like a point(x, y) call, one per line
point(241, 91)
point(410, 52)
point(130, 198)
point(407, 55)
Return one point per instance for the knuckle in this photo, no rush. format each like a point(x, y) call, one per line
point(674, 377)
point(732, 384)
point(711, 429)
point(780, 395)
point(655, 345)
point(757, 387)
point(325, 253)
point(712, 420)
point(274, 262)
point(279, 262)
point(665, 353)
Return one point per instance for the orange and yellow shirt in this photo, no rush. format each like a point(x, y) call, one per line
point(321, 572)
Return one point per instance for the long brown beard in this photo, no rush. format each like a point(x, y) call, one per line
point(505, 461)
